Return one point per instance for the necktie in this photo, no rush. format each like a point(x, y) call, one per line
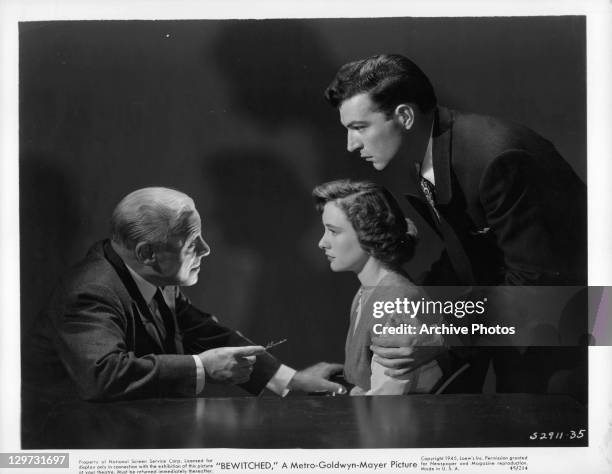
point(429, 192)
point(454, 247)
point(168, 318)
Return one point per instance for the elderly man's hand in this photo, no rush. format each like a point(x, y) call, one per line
point(315, 379)
point(230, 364)
point(400, 355)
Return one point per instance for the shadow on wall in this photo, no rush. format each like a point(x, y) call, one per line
point(277, 79)
point(263, 198)
point(264, 216)
point(50, 217)
point(277, 71)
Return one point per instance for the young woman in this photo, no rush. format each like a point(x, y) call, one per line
point(366, 233)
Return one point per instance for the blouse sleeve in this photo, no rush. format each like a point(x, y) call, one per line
point(419, 380)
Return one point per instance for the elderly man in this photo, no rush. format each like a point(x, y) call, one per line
point(118, 326)
point(508, 208)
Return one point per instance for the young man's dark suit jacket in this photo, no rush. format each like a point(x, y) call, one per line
point(511, 211)
point(93, 343)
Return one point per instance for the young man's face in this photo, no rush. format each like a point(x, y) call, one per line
point(376, 136)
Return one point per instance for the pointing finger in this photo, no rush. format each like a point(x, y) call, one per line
point(245, 351)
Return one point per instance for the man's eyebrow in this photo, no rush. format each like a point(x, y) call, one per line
point(193, 236)
point(354, 123)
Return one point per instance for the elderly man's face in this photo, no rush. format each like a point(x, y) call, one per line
point(376, 136)
point(179, 262)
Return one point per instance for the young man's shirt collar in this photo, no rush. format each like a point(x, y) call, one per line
point(427, 170)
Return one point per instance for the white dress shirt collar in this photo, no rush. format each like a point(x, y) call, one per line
point(427, 170)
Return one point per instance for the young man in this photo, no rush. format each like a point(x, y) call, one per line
point(509, 209)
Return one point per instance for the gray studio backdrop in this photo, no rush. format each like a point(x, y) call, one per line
point(232, 113)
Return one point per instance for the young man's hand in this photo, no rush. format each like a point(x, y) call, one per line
point(399, 354)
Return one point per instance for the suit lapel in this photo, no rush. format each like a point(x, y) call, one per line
point(442, 154)
point(441, 134)
point(442, 157)
point(144, 313)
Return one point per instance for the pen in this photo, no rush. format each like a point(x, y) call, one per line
point(270, 345)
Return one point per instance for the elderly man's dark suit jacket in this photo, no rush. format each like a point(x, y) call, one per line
point(92, 340)
point(511, 209)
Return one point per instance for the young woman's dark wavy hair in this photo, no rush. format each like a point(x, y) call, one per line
point(382, 230)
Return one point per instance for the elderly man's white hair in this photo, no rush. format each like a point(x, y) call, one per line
point(151, 215)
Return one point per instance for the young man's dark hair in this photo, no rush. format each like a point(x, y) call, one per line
point(390, 79)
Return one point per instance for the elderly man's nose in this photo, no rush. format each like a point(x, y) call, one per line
point(202, 247)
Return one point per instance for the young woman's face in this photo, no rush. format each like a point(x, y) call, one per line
point(339, 241)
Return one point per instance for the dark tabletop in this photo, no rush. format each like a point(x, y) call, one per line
point(415, 421)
